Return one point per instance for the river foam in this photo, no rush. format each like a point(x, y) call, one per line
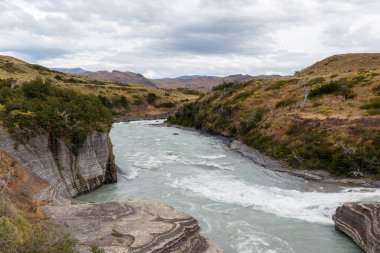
point(308, 206)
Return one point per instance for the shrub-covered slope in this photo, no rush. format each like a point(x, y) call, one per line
point(311, 121)
point(120, 98)
point(25, 109)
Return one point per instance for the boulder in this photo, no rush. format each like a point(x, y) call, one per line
point(361, 222)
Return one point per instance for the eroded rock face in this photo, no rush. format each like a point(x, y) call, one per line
point(361, 222)
point(68, 175)
point(137, 226)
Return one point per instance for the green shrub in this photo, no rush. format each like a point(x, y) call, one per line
point(286, 102)
point(151, 98)
point(340, 87)
point(137, 100)
point(329, 88)
point(166, 105)
point(376, 90)
point(372, 106)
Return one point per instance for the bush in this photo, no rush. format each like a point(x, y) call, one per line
point(151, 98)
point(137, 100)
point(324, 89)
point(286, 102)
point(376, 90)
point(373, 106)
point(340, 87)
point(166, 105)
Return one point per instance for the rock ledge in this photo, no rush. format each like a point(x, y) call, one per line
point(135, 226)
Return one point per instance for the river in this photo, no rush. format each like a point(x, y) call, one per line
point(240, 205)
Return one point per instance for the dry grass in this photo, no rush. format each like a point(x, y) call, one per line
point(19, 187)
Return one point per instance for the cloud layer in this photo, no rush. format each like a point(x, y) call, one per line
point(162, 38)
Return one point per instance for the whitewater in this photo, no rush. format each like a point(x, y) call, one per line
point(239, 204)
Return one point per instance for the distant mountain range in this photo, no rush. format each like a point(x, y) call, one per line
point(70, 71)
point(121, 77)
point(207, 82)
point(186, 81)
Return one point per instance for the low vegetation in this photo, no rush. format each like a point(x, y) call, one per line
point(310, 121)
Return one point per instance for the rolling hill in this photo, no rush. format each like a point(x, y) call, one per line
point(326, 116)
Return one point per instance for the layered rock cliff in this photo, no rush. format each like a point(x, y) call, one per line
point(361, 222)
point(53, 161)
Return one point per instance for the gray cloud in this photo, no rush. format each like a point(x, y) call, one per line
point(170, 38)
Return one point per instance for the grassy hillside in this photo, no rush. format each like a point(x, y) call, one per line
point(120, 98)
point(325, 117)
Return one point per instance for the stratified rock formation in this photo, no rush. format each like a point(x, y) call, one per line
point(361, 222)
point(131, 226)
point(53, 161)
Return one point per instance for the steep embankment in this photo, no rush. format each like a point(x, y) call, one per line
point(313, 120)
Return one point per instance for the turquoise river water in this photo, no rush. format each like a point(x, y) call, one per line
point(240, 205)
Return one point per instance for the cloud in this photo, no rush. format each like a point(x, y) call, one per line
point(171, 38)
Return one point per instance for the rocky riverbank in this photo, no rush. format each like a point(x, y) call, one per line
point(361, 222)
point(315, 175)
point(270, 163)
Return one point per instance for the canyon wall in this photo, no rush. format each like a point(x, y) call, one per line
point(53, 161)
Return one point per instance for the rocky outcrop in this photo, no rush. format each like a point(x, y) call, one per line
point(361, 222)
point(136, 226)
point(53, 161)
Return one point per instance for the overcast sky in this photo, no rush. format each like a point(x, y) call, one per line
point(162, 38)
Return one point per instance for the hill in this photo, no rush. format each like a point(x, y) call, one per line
point(344, 63)
point(132, 99)
point(121, 77)
point(196, 82)
point(325, 117)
